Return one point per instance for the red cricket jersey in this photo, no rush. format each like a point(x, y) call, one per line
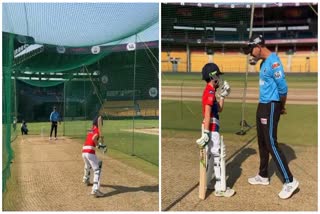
point(89, 145)
point(209, 98)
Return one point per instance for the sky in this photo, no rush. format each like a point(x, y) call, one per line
point(81, 24)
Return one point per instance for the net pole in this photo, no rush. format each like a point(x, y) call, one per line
point(85, 102)
point(134, 95)
point(64, 107)
point(181, 99)
point(246, 76)
point(15, 98)
point(188, 59)
point(147, 48)
point(313, 9)
point(94, 86)
point(6, 75)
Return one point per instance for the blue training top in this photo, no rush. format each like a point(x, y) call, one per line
point(272, 82)
point(54, 116)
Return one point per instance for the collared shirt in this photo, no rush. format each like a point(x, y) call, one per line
point(54, 116)
point(209, 98)
point(272, 82)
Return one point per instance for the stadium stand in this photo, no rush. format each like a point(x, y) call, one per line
point(191, 31)
point(128, 108)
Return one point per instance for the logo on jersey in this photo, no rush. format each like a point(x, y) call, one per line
point(264, 121)
point(261, 82)
point(275, 65)
point(211, 92)
point(277, 75)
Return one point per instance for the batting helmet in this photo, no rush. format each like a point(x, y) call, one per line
point(210, 71)
point(253, 42)
point(95, 121)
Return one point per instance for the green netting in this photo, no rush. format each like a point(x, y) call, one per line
point(122, 86)
point(78, 24)
point(8, 108)
point(35, 103)
point(125, 93)
point(49, 60)
point(42, 83)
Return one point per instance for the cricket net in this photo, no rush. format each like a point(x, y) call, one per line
point(96, 68)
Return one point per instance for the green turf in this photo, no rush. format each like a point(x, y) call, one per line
point(298, 127)
point(237, 79)
point(118, 136)
point(133, 161)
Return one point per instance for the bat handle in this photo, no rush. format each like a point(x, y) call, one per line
point(102, 139)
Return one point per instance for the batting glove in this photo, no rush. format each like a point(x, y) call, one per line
point(225, 89)
point(204, 139)
point(101, 146)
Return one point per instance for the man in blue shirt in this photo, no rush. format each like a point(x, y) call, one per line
point(54, 118)
point(272, 99)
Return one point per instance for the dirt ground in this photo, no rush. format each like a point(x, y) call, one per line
point(180, 166)
point(47, 176)
point(180, 176)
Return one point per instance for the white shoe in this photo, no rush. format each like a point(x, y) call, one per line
point(288, 189)
point(50, 138)
point(97, 193)
point(228, 193)
point(55, 138)
point(258, 180)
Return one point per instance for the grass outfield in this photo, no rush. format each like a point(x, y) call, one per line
point(297, 80)
point(118, 136)
point(298, 127)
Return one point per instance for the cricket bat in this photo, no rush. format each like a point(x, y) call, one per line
point(203, 174)
point(223, 165)
point(101, 143)
point(100, 128)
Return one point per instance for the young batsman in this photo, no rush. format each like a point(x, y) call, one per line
point(90, 158)
point(210, 127)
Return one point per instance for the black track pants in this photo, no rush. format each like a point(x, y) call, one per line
point(268, 116)
point(54, 126)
